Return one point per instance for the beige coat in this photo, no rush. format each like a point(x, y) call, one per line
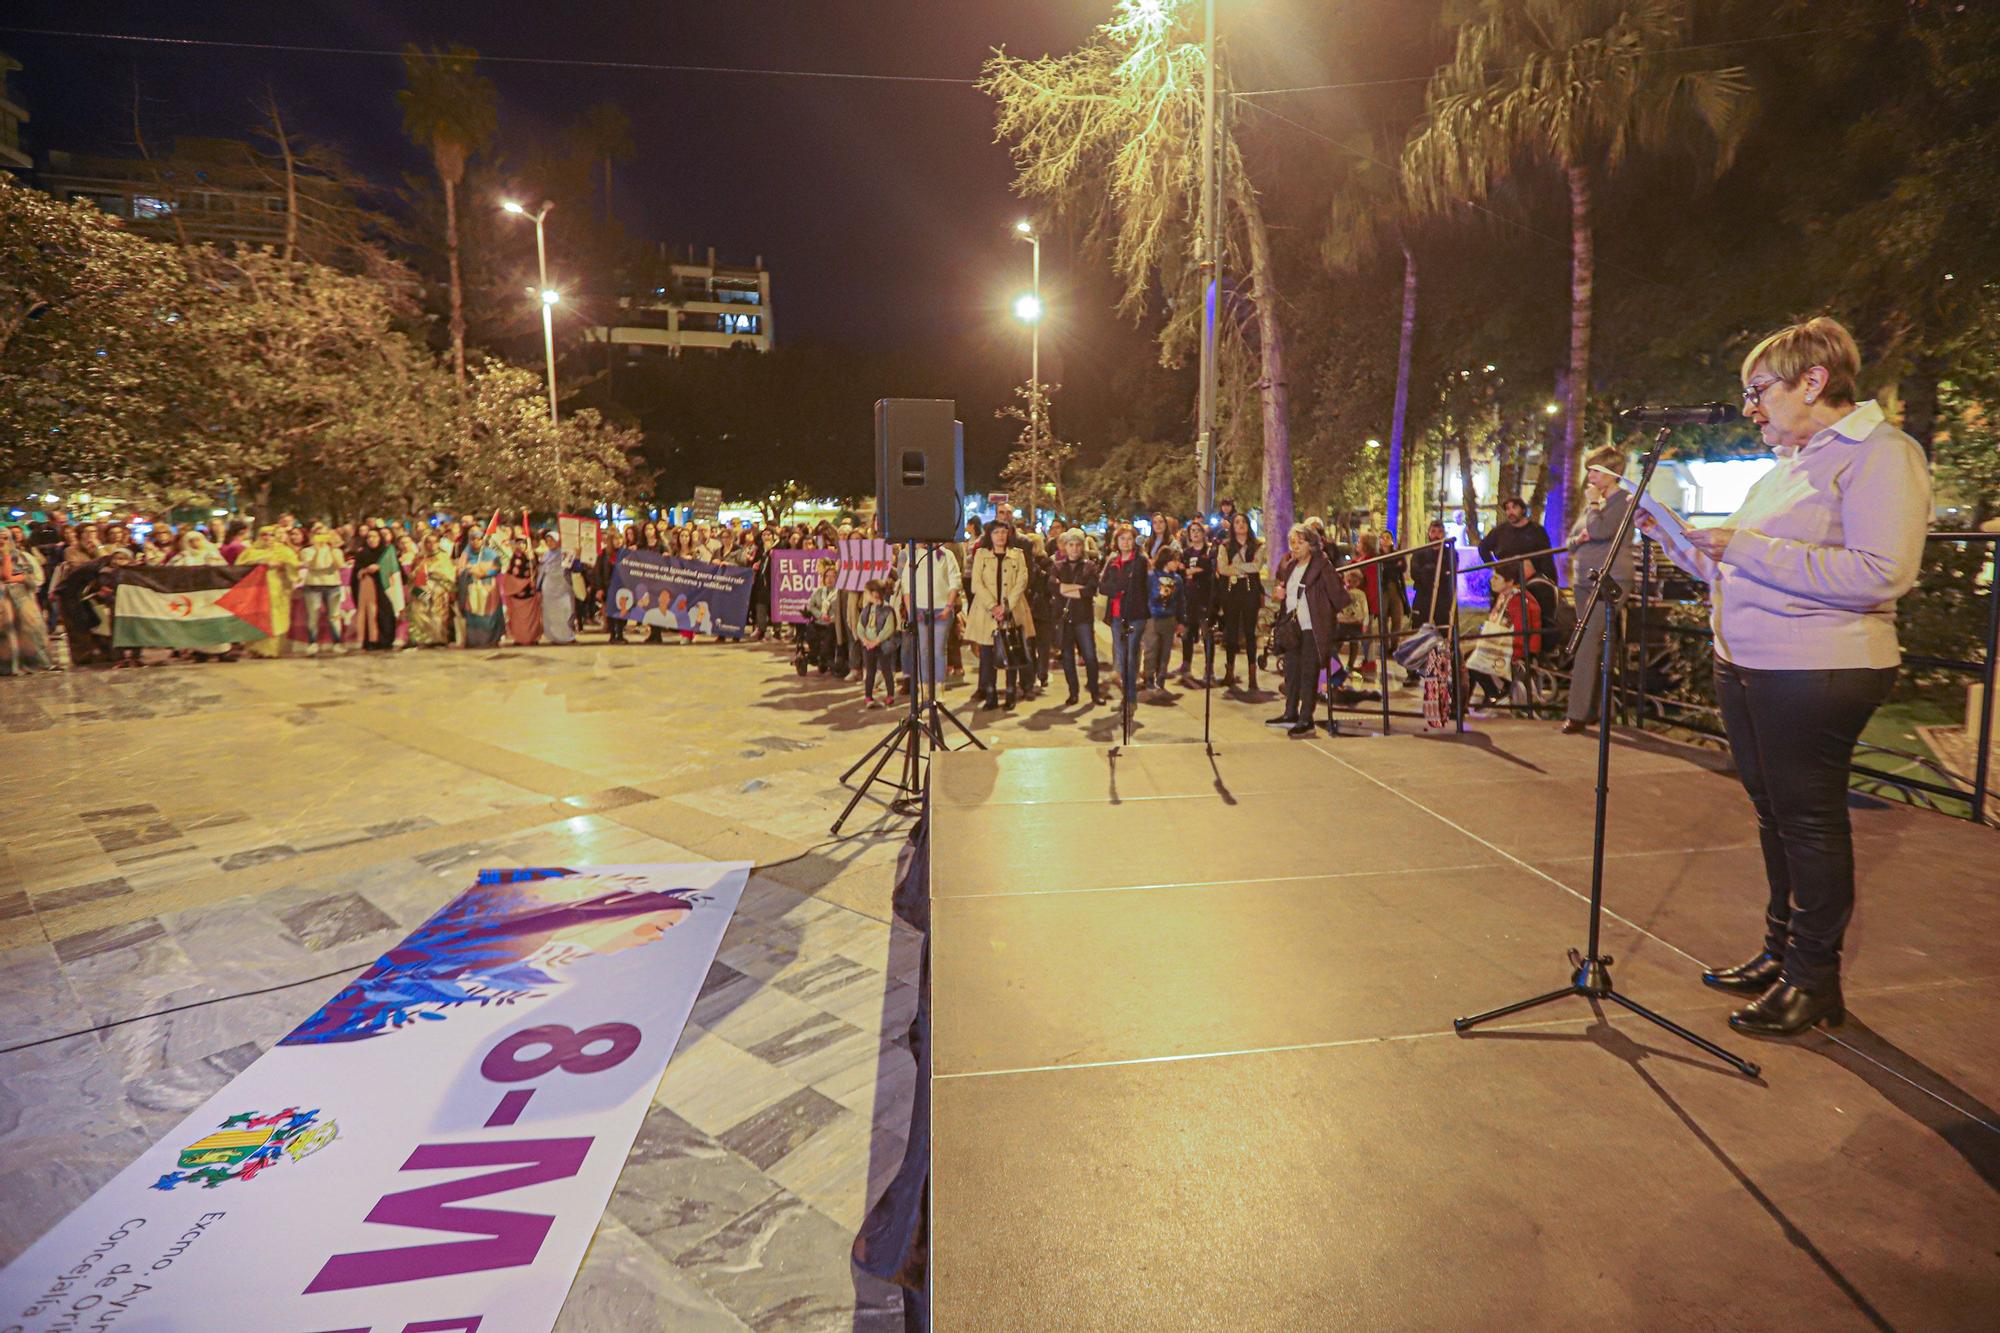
point(993, 586)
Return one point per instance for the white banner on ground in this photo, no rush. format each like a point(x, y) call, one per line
point(431, 1151)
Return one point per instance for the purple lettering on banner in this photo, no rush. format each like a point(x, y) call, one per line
point(794, 575)
point(510, 1107)
point(465, 1323)
point(568, 1050)
point(513, 1239)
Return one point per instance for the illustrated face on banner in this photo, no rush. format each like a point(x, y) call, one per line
point(495, 943)
point(623, 602)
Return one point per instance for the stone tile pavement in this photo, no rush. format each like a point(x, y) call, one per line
point(174, 836)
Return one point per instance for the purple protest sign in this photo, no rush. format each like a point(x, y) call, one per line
point(794, 575)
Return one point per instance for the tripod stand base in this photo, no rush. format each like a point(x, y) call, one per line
point(915, 734)
point(1592, 981)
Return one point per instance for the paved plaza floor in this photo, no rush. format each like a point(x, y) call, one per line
point(179, 833)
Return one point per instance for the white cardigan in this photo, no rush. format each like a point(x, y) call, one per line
point(1826, 543)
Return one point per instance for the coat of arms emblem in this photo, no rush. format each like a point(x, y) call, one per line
point(248, 1143)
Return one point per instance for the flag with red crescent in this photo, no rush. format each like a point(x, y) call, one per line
point(200, 606)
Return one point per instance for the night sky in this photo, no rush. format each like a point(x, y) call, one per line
point(883, 209)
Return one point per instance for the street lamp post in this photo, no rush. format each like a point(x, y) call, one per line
point(1027, 232)
point(549, 296)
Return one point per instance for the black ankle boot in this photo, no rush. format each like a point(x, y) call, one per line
point(1751, 978)
point(1786, 1011)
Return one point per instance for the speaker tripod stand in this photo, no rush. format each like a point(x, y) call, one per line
point(918, 731)
point(1591, 979)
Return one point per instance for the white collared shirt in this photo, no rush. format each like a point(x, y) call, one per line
point(1855, 427)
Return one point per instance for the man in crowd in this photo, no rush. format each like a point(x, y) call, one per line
point(1433, 601)
point(931, 591)
point(48, 539)
point(1516, 537)
point(1220, 532)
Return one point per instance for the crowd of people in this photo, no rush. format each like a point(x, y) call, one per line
point(1006, 608)
point(369, 586)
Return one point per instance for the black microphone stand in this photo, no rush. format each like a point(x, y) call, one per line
point(1129, 639)
point(1592, 978)
point(1207, 682)
point(918, 731)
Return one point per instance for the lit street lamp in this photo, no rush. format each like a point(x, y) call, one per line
point(1028, 309)
point(549, 297)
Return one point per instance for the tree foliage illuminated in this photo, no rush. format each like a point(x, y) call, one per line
point(1109, 135)
point(1581, 86)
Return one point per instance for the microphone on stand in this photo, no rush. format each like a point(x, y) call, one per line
point(1700, 414)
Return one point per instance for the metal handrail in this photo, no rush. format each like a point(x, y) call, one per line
point(1633, 699)
point(1639, 698)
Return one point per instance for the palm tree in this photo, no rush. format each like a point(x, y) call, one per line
point(1109, 136)
point(604, 136)
point(448, 108)
point(1580, 86)
point(1372, 211)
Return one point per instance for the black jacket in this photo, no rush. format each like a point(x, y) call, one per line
point(1323, 594)
point(1424, 576)
point(1124, 590)
point(1203, 586)
point(1041, 589)
point(1507, 542)
point(1074, 610)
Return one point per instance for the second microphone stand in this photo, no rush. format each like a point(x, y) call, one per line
point(1592, 978)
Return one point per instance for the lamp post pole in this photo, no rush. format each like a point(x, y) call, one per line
point(1035, 400)
point(548, 297)
point(548, 309)
point(1035, 407)
point(1209, 264)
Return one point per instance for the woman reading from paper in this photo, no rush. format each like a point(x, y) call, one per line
point(1805, 577)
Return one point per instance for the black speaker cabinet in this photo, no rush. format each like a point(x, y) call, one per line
point(919, 469)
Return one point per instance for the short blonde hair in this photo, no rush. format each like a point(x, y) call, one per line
point(1609, 457)
point(1797, 348)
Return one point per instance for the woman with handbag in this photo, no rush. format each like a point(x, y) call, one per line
point(1307, 616)
point(999, 620)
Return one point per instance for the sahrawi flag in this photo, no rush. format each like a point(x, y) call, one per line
point(195, 606)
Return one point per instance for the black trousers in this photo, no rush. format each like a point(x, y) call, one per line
point(1792, 734)
point(993, 670)
point(1078, 637)
point(1302, 668)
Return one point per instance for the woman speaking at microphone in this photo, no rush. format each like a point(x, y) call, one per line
point(1805, 578)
